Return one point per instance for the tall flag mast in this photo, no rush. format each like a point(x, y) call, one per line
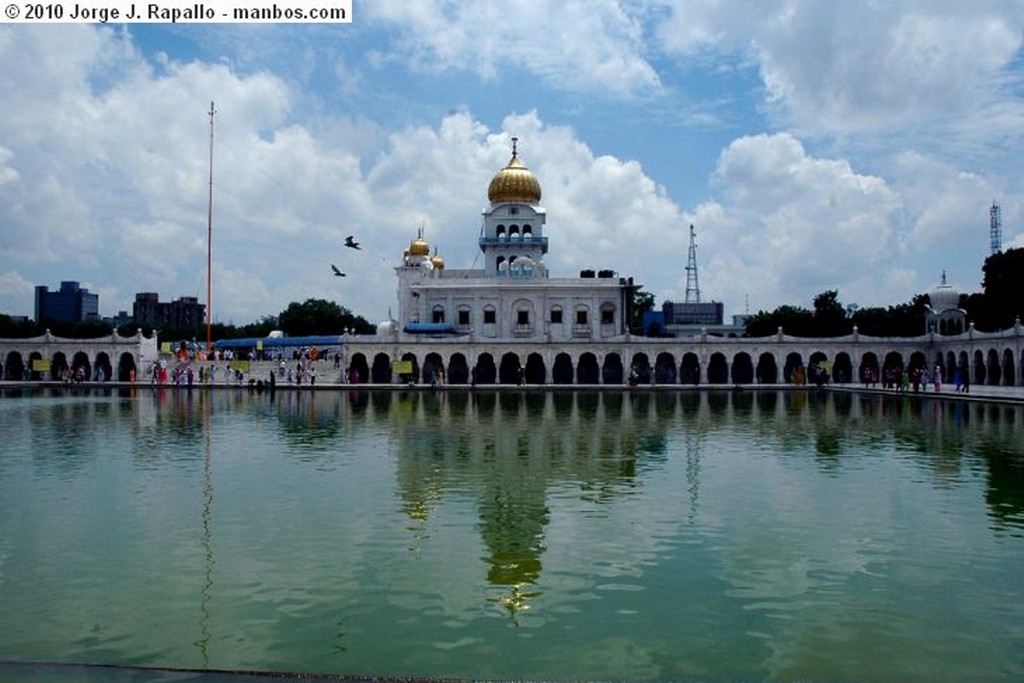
point(209, 241)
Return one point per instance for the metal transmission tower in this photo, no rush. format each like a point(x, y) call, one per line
point(995, 227)
point(692, 287)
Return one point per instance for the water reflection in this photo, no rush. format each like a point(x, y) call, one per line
point(788, 520)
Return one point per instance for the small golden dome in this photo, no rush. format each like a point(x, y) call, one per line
point(514, 183)
point(437, 261)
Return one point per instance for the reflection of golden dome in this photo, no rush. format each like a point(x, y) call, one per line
point(514, 183)
point(437, 261)
point(419, 247)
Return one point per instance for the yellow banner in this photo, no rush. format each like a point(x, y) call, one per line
point(165, 347)
point(401, 367)
point(40, 365)
point(242, 365)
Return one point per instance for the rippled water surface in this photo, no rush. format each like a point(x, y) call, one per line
point(709, 536)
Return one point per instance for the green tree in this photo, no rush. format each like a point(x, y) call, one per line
point(1003, 300)
point(319, 316)
point(829, 318)
point(793, 320)
point(642, 303)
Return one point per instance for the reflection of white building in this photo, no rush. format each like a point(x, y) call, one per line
point(511, 297)
point(943, 314)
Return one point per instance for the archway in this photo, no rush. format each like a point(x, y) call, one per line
point(689, 372)
point(536, 372)
point(640, 369)
point(612, 372)
point(1008, 378)
point(794, 362)
point(742, 369)
point(562, 372)
point(767, 369)
point(994, 371)
point(869, 370)
point(511, 369)
point(458, 369)
point(978, 376)
point(587, 371)
point(58, 365)
point(484, 372)
point(359, 369)
point(414, 369)
point(842, 368)
point(104, 371)
point(380, 373)
point(892, 369)
point(665, 369)
point(80, 366)
point(126, 369)
point(14, 366)
point(718, 369)
point(433, 369)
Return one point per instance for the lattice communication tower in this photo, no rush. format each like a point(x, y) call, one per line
point(692, 287)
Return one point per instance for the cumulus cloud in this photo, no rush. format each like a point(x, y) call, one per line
point(790, 225)
point(851, 67)
point(592, 46)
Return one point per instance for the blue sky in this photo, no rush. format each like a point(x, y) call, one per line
point(854, 146)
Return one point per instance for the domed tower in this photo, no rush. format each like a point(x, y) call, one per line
point(943, 313)
point(513, 225)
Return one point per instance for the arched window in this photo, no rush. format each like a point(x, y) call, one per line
point(437, 314)
point(556, 314)
point(607, 313)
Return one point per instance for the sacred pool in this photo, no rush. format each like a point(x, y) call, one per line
point(511, 534)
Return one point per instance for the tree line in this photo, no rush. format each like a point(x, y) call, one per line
point(311, 317)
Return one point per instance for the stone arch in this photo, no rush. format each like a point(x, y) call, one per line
point(892, 369)
point(562, 372)
point(794, 361)
point(665, 368)
point(433, 369)
point(842, 368)
point(689, 370)
point(508, 371)
point(126, 367)
point(412, 376)
point(816, 365)
point(742, 368)
point(58, 364)
point(14, 366)
point(535, 372)
point(1008, 366)
point(359, 370)
point(380, 373)
point(103, 371)
point(718, 369)
point(767, 369)
point(869, 369)
point(993, 369)
point(587, 369)
point(611, 371)
point(458, 369)
point(918, 361)
point(947, 370)
point(485, 371)
point(641, 365)
point(978, 375)
point(81, 360)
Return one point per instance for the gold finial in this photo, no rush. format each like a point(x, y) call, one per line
point(515, 141)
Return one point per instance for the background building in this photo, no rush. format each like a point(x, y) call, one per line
point(70, 303)
point(183, 313)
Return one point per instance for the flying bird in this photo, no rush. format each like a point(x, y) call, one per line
point(351, 243)
point(336, 271)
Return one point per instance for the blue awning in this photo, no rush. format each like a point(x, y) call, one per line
point(431, 328)
point(318, 341)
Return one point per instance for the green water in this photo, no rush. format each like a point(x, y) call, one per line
point(683, 536)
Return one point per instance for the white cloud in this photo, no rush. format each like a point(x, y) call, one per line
point(852, 67)
point(576, 46)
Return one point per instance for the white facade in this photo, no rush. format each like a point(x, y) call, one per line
point(512, 298)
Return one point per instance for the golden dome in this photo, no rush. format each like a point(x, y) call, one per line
point(437, 261)
point(514, 183)
point(419, 247)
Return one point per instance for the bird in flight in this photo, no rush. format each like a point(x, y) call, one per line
point(336, 271)
point(351, 243)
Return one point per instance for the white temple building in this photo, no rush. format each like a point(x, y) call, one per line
point(512, 297)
